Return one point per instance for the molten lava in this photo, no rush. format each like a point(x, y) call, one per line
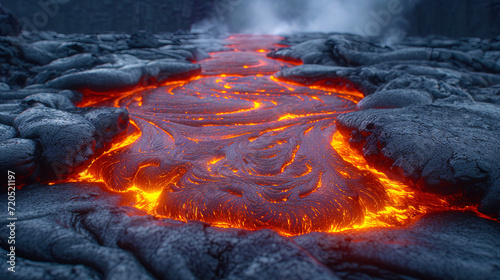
point(238, 148)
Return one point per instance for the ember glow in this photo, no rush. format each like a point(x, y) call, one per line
point(238, 148)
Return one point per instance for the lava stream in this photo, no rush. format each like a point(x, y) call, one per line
point(236, 147)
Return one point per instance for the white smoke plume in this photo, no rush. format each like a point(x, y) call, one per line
point(363, 17)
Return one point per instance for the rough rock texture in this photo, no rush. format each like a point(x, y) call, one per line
point(111, 79)
point(66, 140)
point(20, 156)
point(51, 100)
point(143, 39)
point(45, 136)
point(87, 236)
point(441, 149)
point(43, 75)
point(36, 58)
point(395, 98)
point(445, 137)
point(458, 69)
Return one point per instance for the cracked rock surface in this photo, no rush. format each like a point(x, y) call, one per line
point(431, 109)
point(443, 149)
point(117, 242)
point(44, 75)
point(430, 116)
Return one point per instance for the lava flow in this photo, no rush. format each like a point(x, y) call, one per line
point(238, 148)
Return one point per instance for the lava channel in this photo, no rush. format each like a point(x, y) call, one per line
point(238, 148)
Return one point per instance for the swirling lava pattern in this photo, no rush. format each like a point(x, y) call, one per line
point(237, 148)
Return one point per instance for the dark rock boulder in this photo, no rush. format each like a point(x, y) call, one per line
point(443, 149)
point(9, 111)
point(7, 132)
point(396, 98)
point(20, 156)
point(45, 51)
point(363, 80)
point(308, 52)
point(156, 54)
point(18, 95)
point(73, 95)
point(109, 122)
point(112, 79)
point(436, 88)
point(197, 53)
point(8, 117)
point(143, 39)
point(78, 61)
point(432, 248)
point(69, 140)
point(51, 100)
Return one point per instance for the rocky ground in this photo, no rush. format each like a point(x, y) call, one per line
point(87, 235)
point(430, 116)
point(431, 108)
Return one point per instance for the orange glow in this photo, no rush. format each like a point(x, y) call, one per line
point(236, 147)
point(344, 88)
point(146, 201)
point(405, 203)
point(291, 160)
point(294, 116)
point(256, 105)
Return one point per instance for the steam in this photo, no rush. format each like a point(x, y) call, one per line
point(278, 17)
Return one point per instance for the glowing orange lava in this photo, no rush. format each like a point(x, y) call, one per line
point(405, 203)
point(238, 148)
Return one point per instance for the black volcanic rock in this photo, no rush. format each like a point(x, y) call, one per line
point(81, 231)
point(87, 234)
point(77, 61)
point(445, 148)
point(51, 100)
point(438, 246)
point(112, 79)
point(69, 140)
point(363, 80)
point(457, 70)
point(441, 83)
point(39, 55)
point(441, 149)
point(7, 132)
point(197, 52)
point(40, 72)
point(396, 98)
point(308, 52)
point(143, 39)
point(109, 122)
point(20, 156)
point(352, 50)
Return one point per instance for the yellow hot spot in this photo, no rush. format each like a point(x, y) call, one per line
point(146, 201)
